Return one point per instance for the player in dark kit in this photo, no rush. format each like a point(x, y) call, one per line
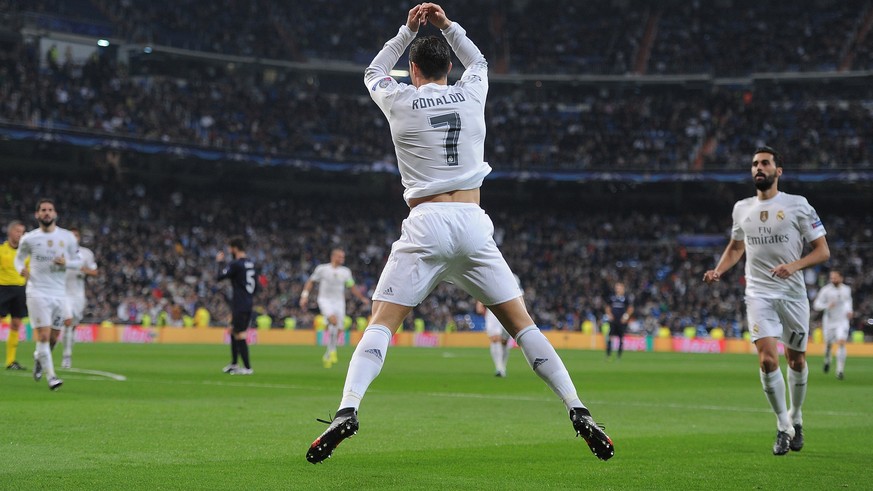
point(618, 311)
point(241, 272)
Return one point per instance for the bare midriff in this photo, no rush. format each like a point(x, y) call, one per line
point(459, 196)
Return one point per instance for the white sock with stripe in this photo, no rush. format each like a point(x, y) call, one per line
point(841, 358)
point(797, 390)
point(44, 355)
point(544, 360)
point(774, 389)
point(365, 365)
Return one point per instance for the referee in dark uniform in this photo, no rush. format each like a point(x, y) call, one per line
point(242, 275)
point(618, 310)
point(13, 301)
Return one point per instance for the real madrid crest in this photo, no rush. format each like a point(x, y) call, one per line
point(765, 215)
point(780, 215)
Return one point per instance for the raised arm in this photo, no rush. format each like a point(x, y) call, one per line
point(455, 35)
point(395, 47)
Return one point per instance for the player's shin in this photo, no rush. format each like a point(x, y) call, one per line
point(365, 365)
point(774, 389)
point(544, 360)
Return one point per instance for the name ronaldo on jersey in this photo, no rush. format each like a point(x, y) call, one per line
point(425, 102)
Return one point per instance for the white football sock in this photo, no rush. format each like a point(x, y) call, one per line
point(505, 359)
point(44, 355)
point(827, 353)
point(365, 365)
point(797, 390)
point(841, 358)
point(542, 357)
point(497, 356)
point(774, 389)
point(331, 340)
point(69, 339)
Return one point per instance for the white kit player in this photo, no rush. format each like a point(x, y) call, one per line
point(498, 338)
point(333, 280)
point(76, 295)
point(835, 301)
point(51, 250)
point(770, 229)
point(438, 131)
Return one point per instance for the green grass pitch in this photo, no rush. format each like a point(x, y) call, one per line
point(434, 419)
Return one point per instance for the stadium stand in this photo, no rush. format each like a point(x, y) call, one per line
point(575, 88)
point(727, 37)
point(552, 127)
point(156, 244)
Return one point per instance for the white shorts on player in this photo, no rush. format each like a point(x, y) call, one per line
point(446, 242)
point(77, 310)
point(836, 333)
point(334, 308)
point(787, 320)
point(48, 311)
point(493, 328)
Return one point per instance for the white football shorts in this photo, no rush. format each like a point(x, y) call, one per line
point(333, 307)
point(787, 320)
point(450, 242)
point(48, 311)
point(836, 332)
point(77, 309)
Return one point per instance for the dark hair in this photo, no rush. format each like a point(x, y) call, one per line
point(45, 200)
point(432, 55)
point(765, 149)
point(237, 242)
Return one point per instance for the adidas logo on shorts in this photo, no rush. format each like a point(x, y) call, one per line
point(388, 291)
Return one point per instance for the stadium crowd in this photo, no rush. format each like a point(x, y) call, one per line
point(728, 37)
point(156, 245)
point(530, 126)
point(156, 249)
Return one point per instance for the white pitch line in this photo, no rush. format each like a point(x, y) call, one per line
point(113, 376)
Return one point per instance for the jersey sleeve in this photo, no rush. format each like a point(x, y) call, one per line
point(737, 232)
point(223, 271)
point(72, 258)
point(810, 224)
point(475, 77)
point(21, 256)
point(316, 275)
point(383, 88)
point(849, 306)
point(821, 300)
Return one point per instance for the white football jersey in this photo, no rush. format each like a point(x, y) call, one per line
point(438, 130)
point(47, 279)
point(773, 231)
point(332, 282)
point(836, 302)
point(75, 277)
